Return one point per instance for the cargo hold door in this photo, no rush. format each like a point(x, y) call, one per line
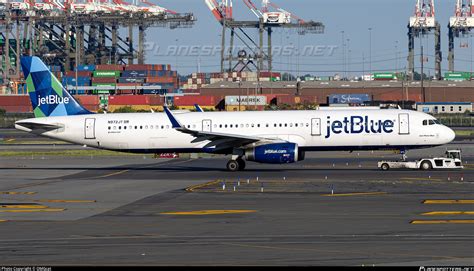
point(89, 129)
point(404, 124)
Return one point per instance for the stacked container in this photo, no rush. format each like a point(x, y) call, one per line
point(199, 80)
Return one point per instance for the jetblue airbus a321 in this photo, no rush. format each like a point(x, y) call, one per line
point(274, 137)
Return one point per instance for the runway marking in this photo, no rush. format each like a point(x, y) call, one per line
point(111, 174)
point(468, 221)
point(421, 179)
point(17, 193)
point(198, 186)
point(449, 213)
point(355, 194)
point(64, 201)
point(32, 210)
point(448, 201)
point(23, 207)
point(210, 212)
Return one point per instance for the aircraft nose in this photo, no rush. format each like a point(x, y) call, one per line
point(449, 134)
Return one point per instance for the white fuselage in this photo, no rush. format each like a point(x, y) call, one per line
point(312, 130)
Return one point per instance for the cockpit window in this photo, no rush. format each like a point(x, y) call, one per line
point(431, 122)
point(425, 122)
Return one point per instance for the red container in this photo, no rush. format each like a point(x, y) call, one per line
point(290, 99)
point(155, 100)
point(18, 108)
point(129, 100)
point(109, 68)
point(160, 80)
point(87, 99)
point(15, 100)
point(105, 80)
point(79, 74)
point(138, 67)
point(201, 100)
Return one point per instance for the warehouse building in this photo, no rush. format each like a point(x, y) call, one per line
point(444, 107)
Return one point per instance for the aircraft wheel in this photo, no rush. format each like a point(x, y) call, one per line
point(233, 166)
point(426, 165)
point(385, 167)
point(241, 164)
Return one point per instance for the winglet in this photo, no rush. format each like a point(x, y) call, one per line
point(198, 108)
point(174, 122)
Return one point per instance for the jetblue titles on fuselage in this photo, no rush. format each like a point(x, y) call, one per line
point(358, 125)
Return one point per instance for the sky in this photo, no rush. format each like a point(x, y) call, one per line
point(385, 49)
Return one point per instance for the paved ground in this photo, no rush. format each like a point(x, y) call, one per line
point(136, 211)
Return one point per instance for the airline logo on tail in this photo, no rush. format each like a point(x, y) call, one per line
point(48, 96)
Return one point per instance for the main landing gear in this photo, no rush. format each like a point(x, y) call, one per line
point(236, 165)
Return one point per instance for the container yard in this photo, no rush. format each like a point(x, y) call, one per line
point(236, 133)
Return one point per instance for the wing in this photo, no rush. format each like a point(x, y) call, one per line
point(219, 141)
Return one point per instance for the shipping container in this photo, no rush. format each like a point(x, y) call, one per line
point(201, 100)
point(109, 68)
point(161, 80)
point(78, 74)
point(135, 80)
point(105, 80)
point(129, 100)
point(348, 98)
point(385, 76)
point(108, 73)
point(246, 100)
point(89, 68)
point(457, 76)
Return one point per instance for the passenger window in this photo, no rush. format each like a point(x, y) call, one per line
point(267, 125)
point(286, 125)
point(136, 127)
point(109, 127)
point(226, 126)
point(258, 125)
point(280, 125)
point(125, 127)
point(231, 126)
point(296, 124)
point(274, 125)
point(307, 124)
point(247, 125)
point(115, 127)
point(460, 109)
point(146, 126)
point(220, 126)
point(253, 125)
point(167, 126)
point(442, 108)
point(452, 108)
point(162, 127)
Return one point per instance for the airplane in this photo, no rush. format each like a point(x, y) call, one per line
point(272, 137)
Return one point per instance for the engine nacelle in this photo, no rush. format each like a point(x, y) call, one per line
point(278, 153)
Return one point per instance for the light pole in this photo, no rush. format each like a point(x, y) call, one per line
point(396, 55)
point(348, 59)
point(370, 52)
point(343, 55)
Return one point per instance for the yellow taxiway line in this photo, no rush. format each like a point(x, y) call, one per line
point(23, 206)
point(3, 221)
point(468, 221)
point(64, 201)
point(449, 201)
point(450, 213)
point(199, 186)
point(210, 212)
point(355, 194)
point(421, 179)
point(32, 210)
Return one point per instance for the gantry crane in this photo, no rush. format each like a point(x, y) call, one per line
point(266, 21)
point(461, 24)
point(422, 23)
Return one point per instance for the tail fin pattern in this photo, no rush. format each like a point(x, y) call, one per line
point(48, 96)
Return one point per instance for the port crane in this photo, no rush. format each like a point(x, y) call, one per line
point(269, 16)
point(460, 25)
point(421, 24)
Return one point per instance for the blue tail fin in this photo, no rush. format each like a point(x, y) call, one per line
point(48, 96)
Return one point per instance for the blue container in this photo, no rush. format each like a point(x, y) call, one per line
point(137, 80)
point(348, 98)
point(84, 68)
point(155, 91)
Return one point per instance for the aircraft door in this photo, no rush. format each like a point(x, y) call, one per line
point(89, 129)
point(316, 127)
point(207, 126)
point(404, 124)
